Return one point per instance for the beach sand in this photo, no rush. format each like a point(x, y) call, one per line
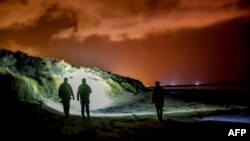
point(123, 123)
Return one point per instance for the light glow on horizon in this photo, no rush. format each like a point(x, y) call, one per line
point(197, 83)
point(173, 83)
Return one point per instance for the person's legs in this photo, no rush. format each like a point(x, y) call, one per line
point(159, 108)
point(66, 109)
point(87, 110)
point(160, 113)
point(83, 110)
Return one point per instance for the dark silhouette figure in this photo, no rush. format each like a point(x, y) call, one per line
point(84, 92)
point(65, 92)
point(158, 99)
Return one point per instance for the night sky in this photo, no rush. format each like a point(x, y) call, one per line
point(172, 41)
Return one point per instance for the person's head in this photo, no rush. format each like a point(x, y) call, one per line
point(157, 83)
point(65, 80)
point(83, 80)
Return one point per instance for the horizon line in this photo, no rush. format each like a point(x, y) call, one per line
point(206, 84)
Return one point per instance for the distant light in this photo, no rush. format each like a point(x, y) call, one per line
point(172, 83)
point(197, 83)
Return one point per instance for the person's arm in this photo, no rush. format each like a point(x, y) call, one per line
point(90, 90)
point(163, 92)
point(78, 93)
point(153, 96)
point(71, 91)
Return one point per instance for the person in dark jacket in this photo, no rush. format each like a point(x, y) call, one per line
point(158, 99)
point(83, 93)
point(65, 93)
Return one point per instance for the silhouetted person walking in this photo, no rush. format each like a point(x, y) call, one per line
point(65, 92)
point(84, 92)
point(158, 99)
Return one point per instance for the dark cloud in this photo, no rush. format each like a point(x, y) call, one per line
point(133, 19)
point(187, 55)
point(14, 1)
point(243, 4)
point(138, 7)
point(122, 19)
point(53, 20)
point(166, 40)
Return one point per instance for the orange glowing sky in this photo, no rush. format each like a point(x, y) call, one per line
point(172, 41)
